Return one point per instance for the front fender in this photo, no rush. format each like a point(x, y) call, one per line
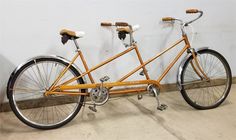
point(180, 69)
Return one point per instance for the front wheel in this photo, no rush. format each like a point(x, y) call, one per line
point(201, 93)
point(26, 90)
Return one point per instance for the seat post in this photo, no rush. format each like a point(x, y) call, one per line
point(131, 36)
point(76, 43)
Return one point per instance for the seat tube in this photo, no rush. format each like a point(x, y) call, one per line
point(82, 59)
point(85, 65)
point(141, 62)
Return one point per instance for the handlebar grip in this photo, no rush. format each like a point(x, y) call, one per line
point(121, 24)
point(192, 11)
point(106, 24)
point(167, 19)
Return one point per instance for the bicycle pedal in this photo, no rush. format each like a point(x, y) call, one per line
point(162, 107)
point(105, 78)
point(140, 96)
point(92, 108)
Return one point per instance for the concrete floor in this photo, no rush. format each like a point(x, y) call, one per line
point(129, 118)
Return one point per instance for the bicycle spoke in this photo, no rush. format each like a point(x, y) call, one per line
point(30, 101)
point(205, 93)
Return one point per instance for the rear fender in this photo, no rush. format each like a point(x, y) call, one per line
point(38, 57)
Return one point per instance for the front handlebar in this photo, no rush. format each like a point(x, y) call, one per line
point(188, 11)
point(191, 11)
point(182, 23)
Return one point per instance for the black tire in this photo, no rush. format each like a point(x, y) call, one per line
point(34, 103)
point(206, 95)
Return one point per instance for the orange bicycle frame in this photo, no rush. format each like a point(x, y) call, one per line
point(66, 89)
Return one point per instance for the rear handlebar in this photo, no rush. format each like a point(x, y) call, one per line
point(106, 24)
point(116, 24)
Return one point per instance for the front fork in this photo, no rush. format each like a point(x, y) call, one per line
point(196, 65)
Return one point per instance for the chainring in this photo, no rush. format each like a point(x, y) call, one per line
point(99, 96)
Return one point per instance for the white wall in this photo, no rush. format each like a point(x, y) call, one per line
point(30, 27)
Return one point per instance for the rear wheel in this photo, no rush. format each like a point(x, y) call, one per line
point(206, 94)
point(26, 94)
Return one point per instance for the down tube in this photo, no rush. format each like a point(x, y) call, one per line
point(172, 63)
point(150, 60)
